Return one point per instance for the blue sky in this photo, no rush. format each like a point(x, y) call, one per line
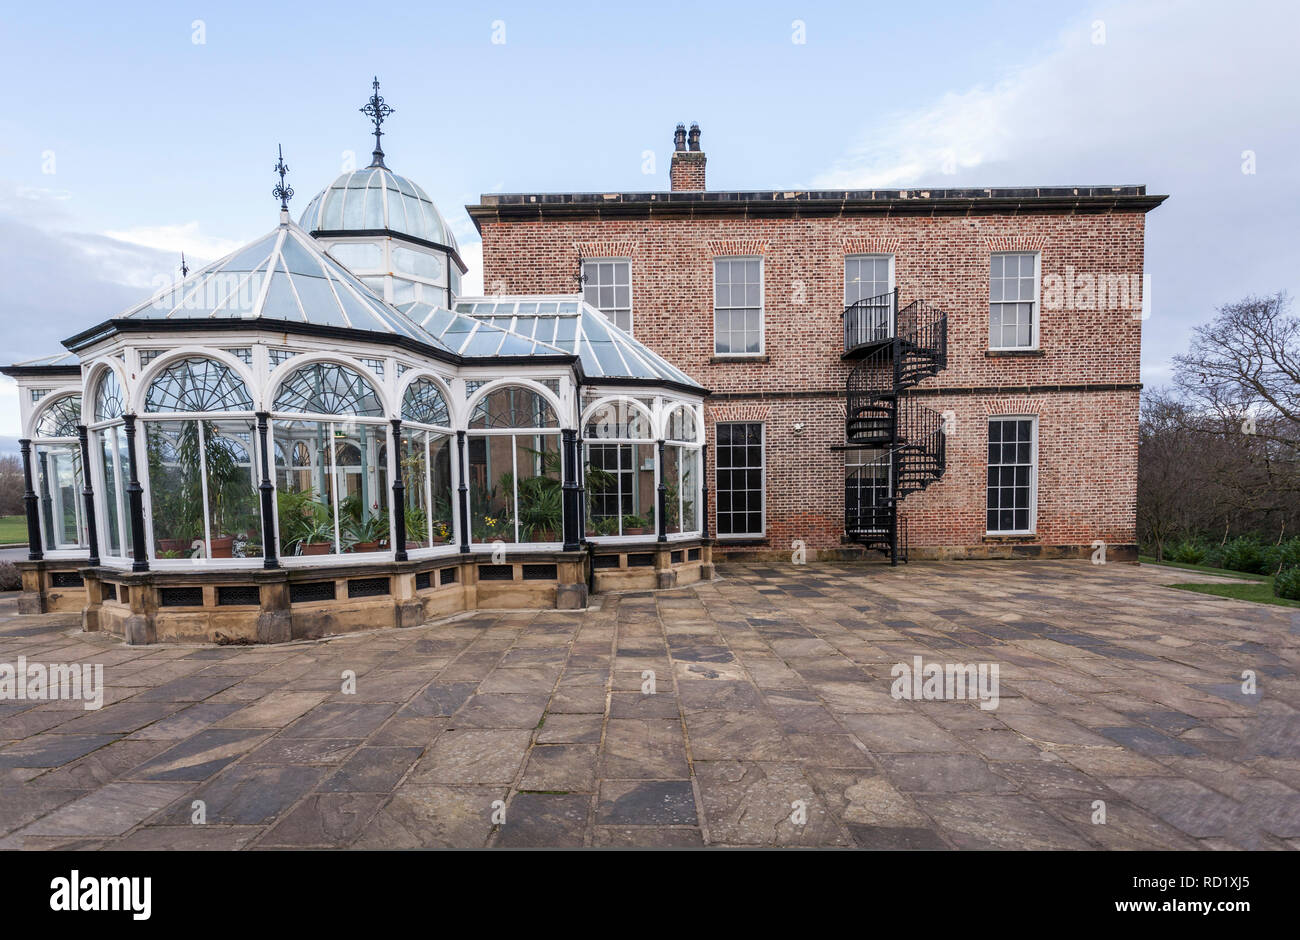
point(125, 140)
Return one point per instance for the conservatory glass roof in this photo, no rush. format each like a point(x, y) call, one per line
point(575, 327)
point(377, 198)
point(61, 360)
point(285, 275)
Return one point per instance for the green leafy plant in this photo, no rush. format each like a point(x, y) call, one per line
point(1244, 553)
point(357, 527)
point(1287, 583)
point(303, 520)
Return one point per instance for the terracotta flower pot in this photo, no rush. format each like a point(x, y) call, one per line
point(223, 546)
point(364, 547)
point(316, 548)
point(634, 530)
point(181, 546)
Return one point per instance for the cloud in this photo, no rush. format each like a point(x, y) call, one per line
point(1174, 97)
point(198, 246)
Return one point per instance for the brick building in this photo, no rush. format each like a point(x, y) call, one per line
point(985, 343)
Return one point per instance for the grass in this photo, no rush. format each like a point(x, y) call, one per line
point(1221, 572)
point(13, 529)
point(1257, 588)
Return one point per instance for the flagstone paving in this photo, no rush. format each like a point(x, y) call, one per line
point(755, 710)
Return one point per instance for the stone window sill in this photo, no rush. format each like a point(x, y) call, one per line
point(1014, 353)
point(715, 360)
point(1031, 537)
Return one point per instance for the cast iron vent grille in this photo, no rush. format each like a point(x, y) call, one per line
point(368, 587)
point(641, 560)
point(66, 579)
point(311, 591)
point(606, 561)
point(423, 581)
point(181, 597)
point(675, 558)
point(540, 573)
point(447, 576)
point(112, 592)
point(692, 554)
point(241, 595)
point(496, 572)
point(123, 594)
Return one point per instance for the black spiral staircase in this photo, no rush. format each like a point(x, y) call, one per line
point(894, 350)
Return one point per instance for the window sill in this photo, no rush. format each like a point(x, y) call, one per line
point(1011, 537)
point(1014, 353)
point(760, 357)
point(741, 540)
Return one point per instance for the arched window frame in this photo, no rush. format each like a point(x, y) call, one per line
point(56, 453)
point(421, 489)
point(375, 428)
point(209, 548)
point(109, 471)
point(628, 449)
point(686, 447)
point(550, 430)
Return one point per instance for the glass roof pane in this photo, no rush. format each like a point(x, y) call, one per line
point(484, 343)
point(331, 218)
point(316, 297)
point(353, 210)
point(607, 356)
point(545, 329)
point(594, 327)
point(527, 308)
point(517, 346)
point(566, 329)
point(546, 308)
point(569, 307)
point(297, 260)
point(254, 256)
point(374, 217)
point(280, 303)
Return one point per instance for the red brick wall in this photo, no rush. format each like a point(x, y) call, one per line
point(1088, 439)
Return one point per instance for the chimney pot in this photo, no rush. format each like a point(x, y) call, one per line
point(695, 137)
point(687, 171)
point(679, 138)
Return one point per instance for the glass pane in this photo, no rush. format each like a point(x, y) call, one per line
point(672, 482)
point(539, 510)
point(234, 508)
point(690, 461)
point(491, 488)
point(304, 481)
point(174, 457)
point(108, 501)
point(511, 406)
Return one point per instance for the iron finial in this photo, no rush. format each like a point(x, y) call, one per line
point(377, 111)
point(184, 268)
point(282, 192)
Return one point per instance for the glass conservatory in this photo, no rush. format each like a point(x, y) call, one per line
point(318, 434)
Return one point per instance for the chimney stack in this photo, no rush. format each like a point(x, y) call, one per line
point(687, 171)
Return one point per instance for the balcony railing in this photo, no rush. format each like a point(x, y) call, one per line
point(870, 321)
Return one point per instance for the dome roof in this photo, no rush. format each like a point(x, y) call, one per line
point(377, 198)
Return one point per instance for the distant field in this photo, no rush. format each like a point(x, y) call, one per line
point(13, 529)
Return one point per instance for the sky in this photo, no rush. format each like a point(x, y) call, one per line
point(133, 132)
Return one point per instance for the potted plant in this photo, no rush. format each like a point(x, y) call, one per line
point(417, 527)
point(305, 525)
point(634, 525)
point(363, 532)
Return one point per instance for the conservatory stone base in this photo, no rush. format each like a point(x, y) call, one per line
point(52, 586)
point(281, 604)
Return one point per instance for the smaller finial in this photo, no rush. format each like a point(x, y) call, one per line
point(377, 111)
point(184, 268)
point(282, 192)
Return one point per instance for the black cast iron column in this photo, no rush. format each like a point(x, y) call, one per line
point(135, 492)
point(399, 495)
point(661, 516)
point(463, 491)
point(572, 523)
point(266, 489)
point(704, 489)
point(88, 494)
point(31, 502)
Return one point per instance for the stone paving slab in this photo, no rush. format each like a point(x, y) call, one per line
point(772, 722)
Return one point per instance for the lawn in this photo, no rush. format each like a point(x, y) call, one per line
point(13, 529)
point(1250, 587)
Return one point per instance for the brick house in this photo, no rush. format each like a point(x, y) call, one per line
point(950, 373)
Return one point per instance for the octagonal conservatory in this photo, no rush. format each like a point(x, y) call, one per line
point(270, 450)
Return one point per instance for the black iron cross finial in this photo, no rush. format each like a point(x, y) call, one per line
point(377, 111)
point(282, 192)
point(582, 273)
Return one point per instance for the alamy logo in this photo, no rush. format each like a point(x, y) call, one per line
point(947, 682)
point(62, 681)
point(76, 893)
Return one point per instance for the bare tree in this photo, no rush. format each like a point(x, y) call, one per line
point(11, 485)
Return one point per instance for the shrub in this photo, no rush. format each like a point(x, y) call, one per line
point(1214, 553)
point(1287, 584)
point(1187, 552)
point(1244, 553)
point(10, 579)
point(1283, 555)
